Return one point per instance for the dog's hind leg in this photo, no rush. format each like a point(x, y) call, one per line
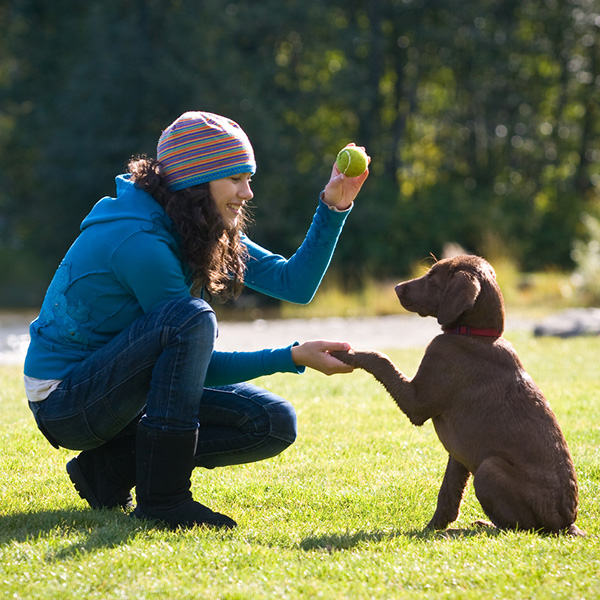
point(502, 492)
point(450, 495)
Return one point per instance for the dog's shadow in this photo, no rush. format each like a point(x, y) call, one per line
point(346, 541)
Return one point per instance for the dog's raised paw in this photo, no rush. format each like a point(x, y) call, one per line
point(345, 356)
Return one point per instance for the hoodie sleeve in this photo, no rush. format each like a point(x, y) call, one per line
point(234, 367)
point(296, 279)
point(149, 269)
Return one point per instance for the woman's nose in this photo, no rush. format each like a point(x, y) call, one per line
point(246, 192)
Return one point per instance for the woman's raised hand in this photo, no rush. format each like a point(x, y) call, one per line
point(341, 190)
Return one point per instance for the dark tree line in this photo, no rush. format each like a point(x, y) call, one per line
point(481, 119)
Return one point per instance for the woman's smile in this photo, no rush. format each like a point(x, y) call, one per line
point(230, 194)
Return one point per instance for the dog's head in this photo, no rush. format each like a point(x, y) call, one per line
point(459, 290)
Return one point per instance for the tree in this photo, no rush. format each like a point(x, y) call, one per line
point(481, 119)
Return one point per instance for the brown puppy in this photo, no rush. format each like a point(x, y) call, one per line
point(488, 413)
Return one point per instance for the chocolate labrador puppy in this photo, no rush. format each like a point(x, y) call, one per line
point(488, 413)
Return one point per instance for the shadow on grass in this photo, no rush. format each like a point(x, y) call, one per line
point(70, 532)
point(346, 541)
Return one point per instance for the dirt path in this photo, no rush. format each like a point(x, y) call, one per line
point(376, 333)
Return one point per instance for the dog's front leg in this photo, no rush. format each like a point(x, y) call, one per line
point(450, 495)
point(394, 381)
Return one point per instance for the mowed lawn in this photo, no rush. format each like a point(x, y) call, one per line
point(338, 515)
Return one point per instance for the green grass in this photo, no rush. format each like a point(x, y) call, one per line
point(338, 515)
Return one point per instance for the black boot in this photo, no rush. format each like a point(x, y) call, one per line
point(165, 461)
point(105, 475)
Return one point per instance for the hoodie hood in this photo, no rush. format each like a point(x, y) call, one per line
point(130, 203)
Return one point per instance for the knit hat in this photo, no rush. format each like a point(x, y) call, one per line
point(202, 146)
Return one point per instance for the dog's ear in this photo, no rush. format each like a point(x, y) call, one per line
point(460, 295)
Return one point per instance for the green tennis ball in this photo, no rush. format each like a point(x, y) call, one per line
point(352, 161)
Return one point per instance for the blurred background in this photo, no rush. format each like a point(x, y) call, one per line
point(481, 118)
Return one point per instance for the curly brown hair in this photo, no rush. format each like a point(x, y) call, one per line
point(215, 254)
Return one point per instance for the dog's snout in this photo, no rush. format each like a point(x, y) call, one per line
point(400, 290)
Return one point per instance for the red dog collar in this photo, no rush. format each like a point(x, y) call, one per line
point(466, 330)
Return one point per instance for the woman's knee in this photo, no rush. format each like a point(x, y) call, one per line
point(188, 315)
point(243, 423)
point(283, 420)
point(183, 310)
point(281, 427)
point(274, 416)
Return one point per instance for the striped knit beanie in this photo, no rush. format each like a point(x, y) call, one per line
point(202, 146)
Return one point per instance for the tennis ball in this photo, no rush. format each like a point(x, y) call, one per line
point(352, 161)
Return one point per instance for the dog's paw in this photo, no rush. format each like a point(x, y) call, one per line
point(574, 531)
point(481, 523)
point(346, 356)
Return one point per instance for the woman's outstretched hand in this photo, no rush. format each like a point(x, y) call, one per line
point(316, 355)
point(341, 190)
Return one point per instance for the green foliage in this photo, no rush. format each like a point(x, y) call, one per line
point(480, 117)
point(340, 514)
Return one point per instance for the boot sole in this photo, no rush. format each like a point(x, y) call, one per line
point(216, 524)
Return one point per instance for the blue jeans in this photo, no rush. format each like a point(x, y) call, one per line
point(155, 369)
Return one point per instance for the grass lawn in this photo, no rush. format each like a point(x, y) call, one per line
point(338, 515)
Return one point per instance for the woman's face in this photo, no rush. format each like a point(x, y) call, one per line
point(229, 194)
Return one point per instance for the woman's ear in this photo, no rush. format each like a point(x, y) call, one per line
point(459, 296)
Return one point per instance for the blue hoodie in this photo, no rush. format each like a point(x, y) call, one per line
point(126, 261)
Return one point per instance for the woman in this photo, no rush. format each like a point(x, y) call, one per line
point(121, 363)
